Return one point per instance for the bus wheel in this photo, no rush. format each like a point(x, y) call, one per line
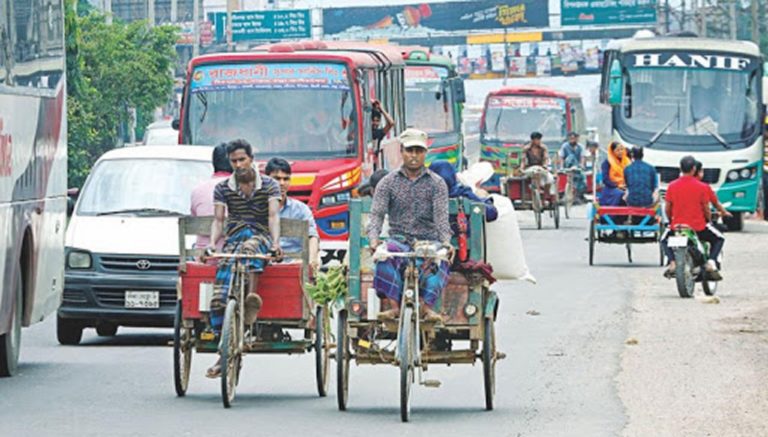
point(735, 223)
point(10, 342)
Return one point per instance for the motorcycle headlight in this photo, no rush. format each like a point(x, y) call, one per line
point(79, 260)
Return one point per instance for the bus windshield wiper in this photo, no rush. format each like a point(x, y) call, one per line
point(663, 129)
point(717, 136)
point(496, 125)
point(154, 211)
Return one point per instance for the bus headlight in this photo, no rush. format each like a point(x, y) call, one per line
point(742, 174)
point(78, 259)
point(336, 199)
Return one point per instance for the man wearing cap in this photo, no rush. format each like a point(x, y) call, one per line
point(572, 155)
point(416, 201)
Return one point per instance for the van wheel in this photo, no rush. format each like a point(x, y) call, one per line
point(68, 332)
point(10, 342)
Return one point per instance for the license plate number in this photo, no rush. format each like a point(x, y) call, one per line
point(678, 241)
point(142, 299)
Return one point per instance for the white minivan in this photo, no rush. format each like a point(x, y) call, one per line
point(122, 240)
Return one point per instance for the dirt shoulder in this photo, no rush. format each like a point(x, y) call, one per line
point(701, 368)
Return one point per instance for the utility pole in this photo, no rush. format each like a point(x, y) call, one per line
point(174, 11)
point(151, 13)
point(108, 11)
point(732, 7)
point(195, 28)
point(755, 22)
point(231, 6)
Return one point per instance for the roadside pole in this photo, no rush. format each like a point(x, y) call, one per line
point(196, 28)
point(151, 13)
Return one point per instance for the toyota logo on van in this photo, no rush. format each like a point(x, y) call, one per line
point(143, 264)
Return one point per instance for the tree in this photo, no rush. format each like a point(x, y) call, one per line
point(111, 68)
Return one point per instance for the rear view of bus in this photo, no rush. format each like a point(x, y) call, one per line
point(434, 96)
point(307, 103)
point(33, 168)
point(692, 96)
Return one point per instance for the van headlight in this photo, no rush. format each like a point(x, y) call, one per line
point(78, 259)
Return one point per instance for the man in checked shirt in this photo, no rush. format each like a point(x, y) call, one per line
point(416, 200)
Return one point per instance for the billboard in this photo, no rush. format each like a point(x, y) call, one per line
point(264, 25)
point(586, 12)
point(419, 20)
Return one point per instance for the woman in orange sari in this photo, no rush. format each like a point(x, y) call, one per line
point(612, 170)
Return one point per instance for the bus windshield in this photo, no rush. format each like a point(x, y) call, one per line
point(429, 103)
point(294, 110)
point(513, 118)
point(714, 105)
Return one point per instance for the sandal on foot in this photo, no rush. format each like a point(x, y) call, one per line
point(252, 307)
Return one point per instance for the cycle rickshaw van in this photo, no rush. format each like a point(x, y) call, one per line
point(467, 305)
point(287, 309)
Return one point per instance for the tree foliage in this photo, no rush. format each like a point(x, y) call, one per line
point(110, 68)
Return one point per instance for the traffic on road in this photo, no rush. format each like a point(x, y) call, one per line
point(317, 233)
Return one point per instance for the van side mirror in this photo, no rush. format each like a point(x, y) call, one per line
point(175, 124)
point(72, 195)
point(616, 84)
point(459, 93)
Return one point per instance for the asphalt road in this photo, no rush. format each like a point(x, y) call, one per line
point(558, 377)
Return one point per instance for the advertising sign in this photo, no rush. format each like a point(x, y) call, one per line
point(421, 19)
point(264, 25)
point(585, 12)
point(269, 76)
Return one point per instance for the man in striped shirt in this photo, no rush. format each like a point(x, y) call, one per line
point(251, 204)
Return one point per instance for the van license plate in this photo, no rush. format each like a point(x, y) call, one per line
point(142, 299)
point(677, 241)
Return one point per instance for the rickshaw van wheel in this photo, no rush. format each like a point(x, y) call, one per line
point(182, 359)
point(591, 242)
point(342, 362)
point(489, 362)
point(322, 354)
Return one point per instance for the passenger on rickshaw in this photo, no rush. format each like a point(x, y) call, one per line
point(416, 201)
point(612, 171)
point(251, 203)
point(642, 181)
point(280, 170)
point(572, 155)
point(535, 153)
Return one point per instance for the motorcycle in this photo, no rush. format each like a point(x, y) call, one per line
point(691, 255)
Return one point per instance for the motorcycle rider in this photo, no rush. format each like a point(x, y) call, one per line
point(687, 204)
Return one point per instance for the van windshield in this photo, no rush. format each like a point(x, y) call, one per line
point(142, 186)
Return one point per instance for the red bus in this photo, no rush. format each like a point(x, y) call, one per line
point(307, 102)
point(511, 114)
point(33, 168)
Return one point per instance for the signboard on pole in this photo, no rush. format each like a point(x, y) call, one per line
point(416, 20)
point(264, 25)
point(586, 12)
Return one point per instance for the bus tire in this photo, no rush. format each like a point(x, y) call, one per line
point(735, 223)
point(10, 342)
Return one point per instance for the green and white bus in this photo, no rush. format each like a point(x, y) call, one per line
point(434, 99)
point(679, 96)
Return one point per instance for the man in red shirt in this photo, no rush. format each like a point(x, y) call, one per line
point(687, 203)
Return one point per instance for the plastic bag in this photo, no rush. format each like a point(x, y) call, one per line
point(504, 245)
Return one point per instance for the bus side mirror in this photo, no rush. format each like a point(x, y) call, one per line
point(459, 93)
point(175, 124)
point(616, 84)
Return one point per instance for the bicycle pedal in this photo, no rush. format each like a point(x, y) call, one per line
point(431, 383)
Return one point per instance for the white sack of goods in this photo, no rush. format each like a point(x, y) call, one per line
point(504, 245)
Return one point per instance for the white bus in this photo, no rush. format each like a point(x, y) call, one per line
point(33, 167)
point(681, 96)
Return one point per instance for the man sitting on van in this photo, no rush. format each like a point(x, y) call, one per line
point(201, 204)
point(280, 170)
point(252, 203)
